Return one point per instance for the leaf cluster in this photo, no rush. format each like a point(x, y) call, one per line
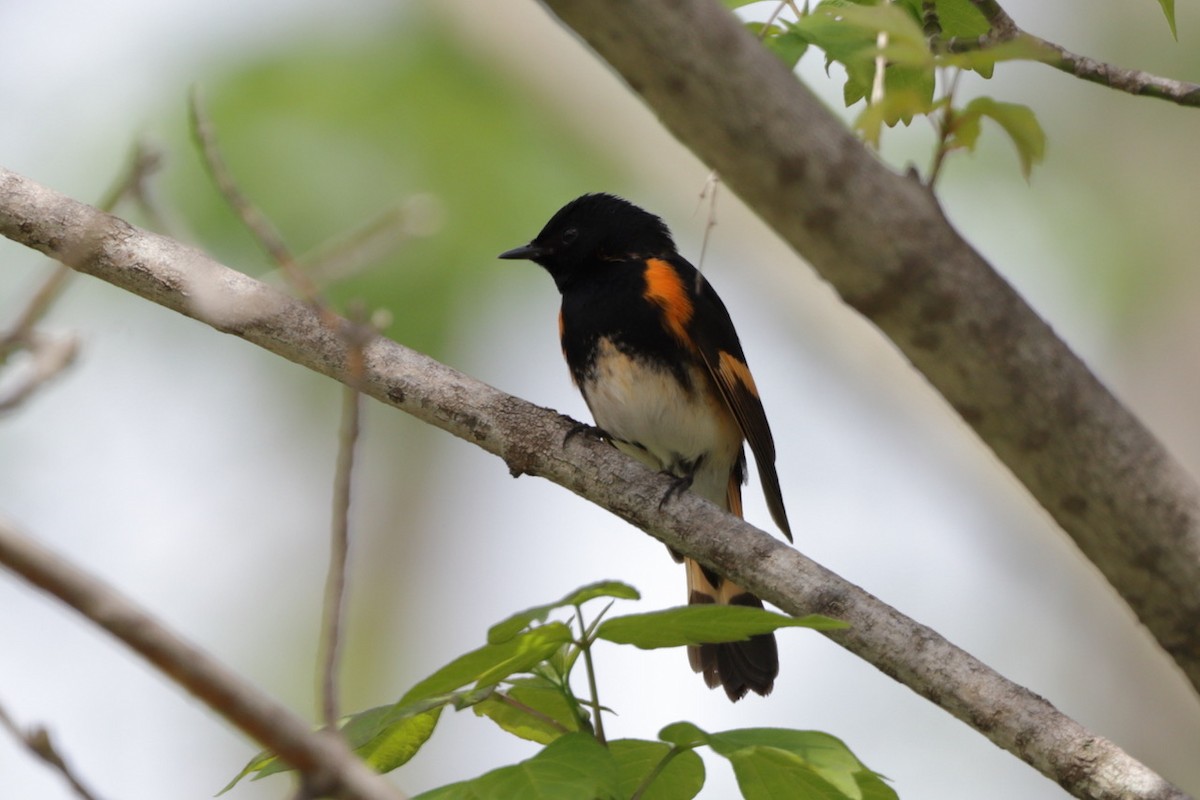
point(521, 680)
point(911, 41)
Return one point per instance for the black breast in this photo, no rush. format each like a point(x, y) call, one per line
point(611, 304)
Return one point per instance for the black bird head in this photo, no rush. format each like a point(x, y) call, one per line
point(594, 228)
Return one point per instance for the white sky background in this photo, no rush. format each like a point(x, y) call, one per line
point(194, 488)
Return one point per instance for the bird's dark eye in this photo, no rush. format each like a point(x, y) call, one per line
point(570, 235)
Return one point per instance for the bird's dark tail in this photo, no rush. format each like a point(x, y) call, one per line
point(738, 667)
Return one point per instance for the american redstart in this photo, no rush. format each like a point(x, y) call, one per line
point(652, 349)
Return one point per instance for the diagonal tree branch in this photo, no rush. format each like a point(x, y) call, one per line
point(886, 247)
point(1133, 81)
point(326, 765)
point(531, 440)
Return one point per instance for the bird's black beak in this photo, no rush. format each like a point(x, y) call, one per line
point(530, 252)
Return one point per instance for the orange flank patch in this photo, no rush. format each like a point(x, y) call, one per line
point(735, 372)
point(734, 496)
point(664, 287)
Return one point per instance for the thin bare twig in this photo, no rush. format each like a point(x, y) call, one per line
point(345, 256)
point(255, 221)
point(708, 192)
point(50, 355)
point(339, 551)
point(37, 741)
point(37, 306)
point(356, 335)
point(144, 161)
point(1132, 81)
point(944, 128)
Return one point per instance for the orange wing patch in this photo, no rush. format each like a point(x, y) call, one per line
point(665, 287)
point(734, 372)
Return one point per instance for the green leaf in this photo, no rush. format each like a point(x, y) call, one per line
point(898, 106)
point(964, 132)
point(703, 624)
point(386, 737)
point(572, 767)
point(764, 773)
point(874, 787)
point(259, 762)
point(398, 740)
point(1168, 7)
point(518, 622)
point(866, 22)
point(680, 779)
point(783, 39)
point(493, 663)
point(961, 19)
point(545, 716)
point(683, 734)
point(1019, 123)
point(848, 34)
point(774, 760)
point(789, 46)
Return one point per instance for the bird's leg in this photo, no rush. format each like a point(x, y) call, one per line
point(680, 483)
point(583, 428)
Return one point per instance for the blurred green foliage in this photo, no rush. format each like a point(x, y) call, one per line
point(324, 136)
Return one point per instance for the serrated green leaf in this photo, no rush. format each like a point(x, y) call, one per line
point(1021, 125)
point(703, 624)
point(681, 778)
point(896, 106)
point(493, 663)
point(572, 767)
point(538, 713)
point(1168, 7)
point(518, 622)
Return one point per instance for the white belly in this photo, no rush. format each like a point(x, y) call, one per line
point(662, 423)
